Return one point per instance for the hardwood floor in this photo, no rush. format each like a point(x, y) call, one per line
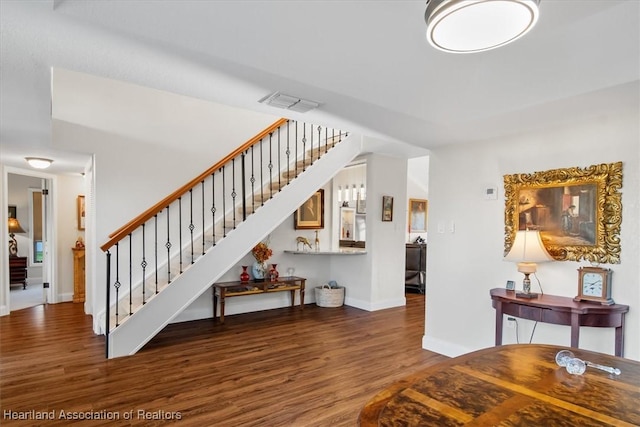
point(284, 367)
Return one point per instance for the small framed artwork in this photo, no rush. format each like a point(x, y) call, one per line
point(417, 215)
point(387, 208)
point(81, 212)
point(13, 211)
point(511, 285)
point(310, 215)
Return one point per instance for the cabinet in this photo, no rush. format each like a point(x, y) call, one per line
point(415, 267)
point(18, 270)
point(78, 275)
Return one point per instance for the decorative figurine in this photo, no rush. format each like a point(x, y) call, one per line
point(304, 241)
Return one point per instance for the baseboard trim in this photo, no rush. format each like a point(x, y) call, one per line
point(443, 347)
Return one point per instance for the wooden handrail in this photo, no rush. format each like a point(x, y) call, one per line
point(126, 229)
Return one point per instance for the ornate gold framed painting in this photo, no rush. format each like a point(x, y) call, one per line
point(310, 216)
point(577, 210)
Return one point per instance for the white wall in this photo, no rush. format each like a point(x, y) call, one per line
point(69, 188)
point(464, 265)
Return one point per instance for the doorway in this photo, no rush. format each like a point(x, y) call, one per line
point(30, 260)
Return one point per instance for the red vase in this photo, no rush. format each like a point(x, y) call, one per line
point(244, 276)
point(273, 273)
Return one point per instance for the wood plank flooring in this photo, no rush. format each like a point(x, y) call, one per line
point(284, 367)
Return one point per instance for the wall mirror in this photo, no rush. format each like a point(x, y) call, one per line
point(577, 210)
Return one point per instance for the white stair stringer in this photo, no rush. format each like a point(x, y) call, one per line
point(197, 278)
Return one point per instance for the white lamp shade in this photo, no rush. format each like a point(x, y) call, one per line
point(528, 248)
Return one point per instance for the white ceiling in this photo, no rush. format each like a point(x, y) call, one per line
point(366, 62)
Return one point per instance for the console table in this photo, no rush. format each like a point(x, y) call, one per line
point(224, 290)
point(560, 311)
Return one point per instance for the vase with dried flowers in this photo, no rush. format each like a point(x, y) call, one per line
point(261, 252)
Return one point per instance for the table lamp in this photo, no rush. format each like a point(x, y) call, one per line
point(14, 227)
point(527, 250)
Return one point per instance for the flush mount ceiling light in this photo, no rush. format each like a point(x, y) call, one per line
point(467, 26)
point(288, 102)
point(38, 162)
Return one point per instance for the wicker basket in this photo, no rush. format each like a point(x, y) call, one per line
point(327, 296)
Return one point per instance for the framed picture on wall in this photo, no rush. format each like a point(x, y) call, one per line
point(387, 208)
point(81, 212)
point(310, 216)
point(417, 215)
point(13, 211)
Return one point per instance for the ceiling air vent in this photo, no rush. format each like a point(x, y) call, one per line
point(288, 102)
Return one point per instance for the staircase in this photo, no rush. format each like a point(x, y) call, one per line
point(166, 258)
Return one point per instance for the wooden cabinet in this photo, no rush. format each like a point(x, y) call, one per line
point(78, 275)
point(18, 270)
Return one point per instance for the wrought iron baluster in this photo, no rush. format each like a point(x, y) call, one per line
point(270, 165)
point(180, 234)
point(333, 138)
point(311, 150)
point(202, 213)
point(243, 172)
point(130, 275)
point(279, 165)
point(261, 176)
point(233, 190)
point(296, 160)
point(117, 284)
point(168, 246)
point(253, 182)
point(143, 264)
point(304, 146)
point(155, 245)
point(224, 208)
point(288, 152)
point(213, 208)
point(319, 139)
point(108, 308)
point(326, 140)
point(191, 226)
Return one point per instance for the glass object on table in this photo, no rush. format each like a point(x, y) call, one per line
point(575, 366)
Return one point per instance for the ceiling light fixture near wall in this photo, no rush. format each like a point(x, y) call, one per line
point(467, 26)
point(38, 162)
point(288, 102)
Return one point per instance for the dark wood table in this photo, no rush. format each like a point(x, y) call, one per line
point(224, 290)
point(560, 311)
point(512, 385)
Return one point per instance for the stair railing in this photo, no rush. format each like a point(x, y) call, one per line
point(146, 254)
